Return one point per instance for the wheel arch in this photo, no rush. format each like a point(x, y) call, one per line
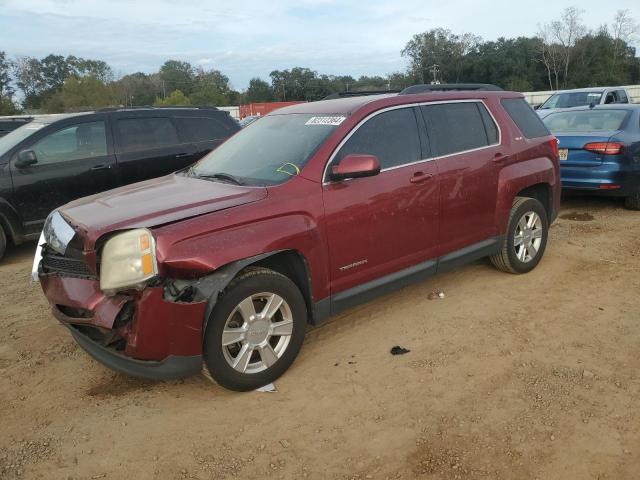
point(10, 223)
point(534, 178)
point(541, 192)
point(290, 263)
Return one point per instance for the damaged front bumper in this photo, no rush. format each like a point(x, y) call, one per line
point(141, 334)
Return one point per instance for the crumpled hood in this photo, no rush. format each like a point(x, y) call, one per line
point(154, 202)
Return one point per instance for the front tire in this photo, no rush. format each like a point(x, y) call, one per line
point(526, 238)
point(3, 242)
point(255, 330)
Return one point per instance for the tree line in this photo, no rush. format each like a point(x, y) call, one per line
point(563, 54)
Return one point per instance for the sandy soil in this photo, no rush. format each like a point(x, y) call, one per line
point(508, 377)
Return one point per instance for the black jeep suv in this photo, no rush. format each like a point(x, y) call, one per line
point(54, 159)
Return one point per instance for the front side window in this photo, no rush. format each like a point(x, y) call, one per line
point(84, 140)
point(456, 127)
point(135, 134)
point(270, 152)
point(391, 136)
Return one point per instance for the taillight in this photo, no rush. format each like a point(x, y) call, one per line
point(554, 145)
point(604, 148)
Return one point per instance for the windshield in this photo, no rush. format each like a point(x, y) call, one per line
point(267, 152)
point(584, 121)
point(11, 139)
point(572, 99)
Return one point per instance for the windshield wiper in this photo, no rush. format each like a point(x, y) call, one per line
point(221, 176)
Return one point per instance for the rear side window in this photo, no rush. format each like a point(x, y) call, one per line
point(199, 129)
point(456, 127)
point(391, 136)
point(525, 117)
point(146, 133)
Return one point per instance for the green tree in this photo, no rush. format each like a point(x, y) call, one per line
point(138, 89)
point(176, 75)
point(7, 106)
point(6, 90)
point(258, 91)
point(175, 99)
point(210, 88)
point(84, 93)
point(296, 84)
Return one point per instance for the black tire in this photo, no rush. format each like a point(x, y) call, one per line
point(250, 282)
point(507, 260)
point(632, 202)
point(3, 242)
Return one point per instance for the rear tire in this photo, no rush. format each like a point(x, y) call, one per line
point(255, 330)
point(3, 242)
point(632, 202)
point(526, 238)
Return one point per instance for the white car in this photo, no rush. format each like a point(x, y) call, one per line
point(582, 97)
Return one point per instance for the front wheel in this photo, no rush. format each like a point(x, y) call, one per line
point(526, 238)
point(255, 331)
point(3, 242)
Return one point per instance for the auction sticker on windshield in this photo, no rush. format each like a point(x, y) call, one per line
point(325, 120)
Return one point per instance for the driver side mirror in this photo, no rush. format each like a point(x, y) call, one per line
point(356, 166)
point(26, 158)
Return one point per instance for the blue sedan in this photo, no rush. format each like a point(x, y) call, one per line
point(599, 150)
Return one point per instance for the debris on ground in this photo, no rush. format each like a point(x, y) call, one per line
point(269, 388)
point(436, 295)
point(397, 350)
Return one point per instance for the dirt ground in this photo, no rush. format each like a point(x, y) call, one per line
point(508, 377)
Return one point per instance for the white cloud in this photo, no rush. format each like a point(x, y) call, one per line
point(250, 38)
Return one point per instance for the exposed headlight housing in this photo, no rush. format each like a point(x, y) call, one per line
point(128, 260)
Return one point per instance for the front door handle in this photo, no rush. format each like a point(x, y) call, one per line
point(101, 167)
point(420, 177)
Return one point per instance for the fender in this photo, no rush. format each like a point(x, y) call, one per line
point(515, 178)
point(218, 240)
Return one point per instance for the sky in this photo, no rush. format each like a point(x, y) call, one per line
point(249, 38)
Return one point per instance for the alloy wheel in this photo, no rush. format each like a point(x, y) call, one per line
point(257, 332)
point(528, 236)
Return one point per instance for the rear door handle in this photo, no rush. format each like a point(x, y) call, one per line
point(182, 155)
point(101, 167)
point(420, 177)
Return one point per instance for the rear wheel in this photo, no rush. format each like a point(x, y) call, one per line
point(526, 238)
point(632, 202)
point(3, 242)
point(255, 331)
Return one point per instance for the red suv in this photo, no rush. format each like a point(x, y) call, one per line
point(309, 211)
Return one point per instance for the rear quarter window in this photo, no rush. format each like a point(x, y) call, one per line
point(525, 117)
point(199, 129)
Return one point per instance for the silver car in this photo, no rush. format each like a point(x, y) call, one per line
point(582, 97)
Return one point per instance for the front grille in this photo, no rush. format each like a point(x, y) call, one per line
point(64, 266)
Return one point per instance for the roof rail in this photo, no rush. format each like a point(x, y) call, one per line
point(154, 107)
point(445, 87)
point(333, 96)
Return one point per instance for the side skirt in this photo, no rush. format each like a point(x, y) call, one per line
point(346, 299)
